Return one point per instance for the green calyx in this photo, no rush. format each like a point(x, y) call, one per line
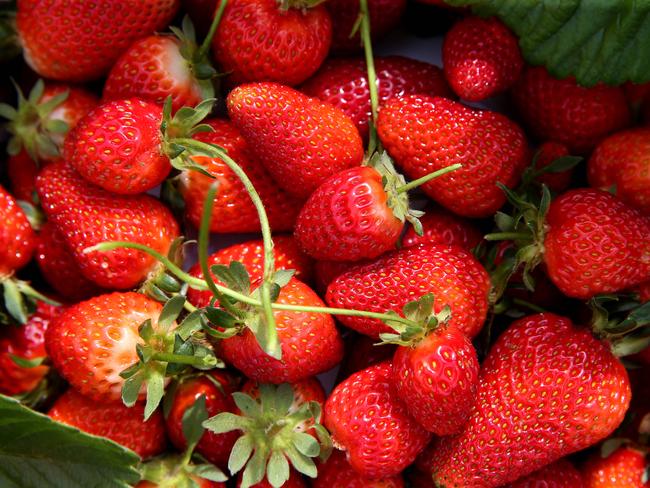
point(298, 4)
point(274, 435)
point(622, 321)
point(161, 284)
point(532, 172)
point(19, 300)
point(30, 124)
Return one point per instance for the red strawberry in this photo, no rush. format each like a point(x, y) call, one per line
point(337, 472)
point(114, 420)
point(294, 481)
point(17, 239)
point(442, 227)
point(368, 421)
point(560, 474)
point(326, 271)
point(452, 274)
point(547, 389)
point(481, 58)
point(251, 255)
point(258, 40)
point(563, 111)
point(546, 154)
point(233, 208)
point(625, 468)
point(22, 171)
point(344, 83)
point(424, 134)
point(304, 391)
point(301, 140)
point(362, 352)
point(621, 161)
point(171, 483)
point(63, 40)
point(25, 342)
point(86, 215)
point(384, 17)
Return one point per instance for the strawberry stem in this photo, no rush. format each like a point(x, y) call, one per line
point(169, 357)
point(429, 177)
point(507, 236)
point(370, 61)
point(205, 46)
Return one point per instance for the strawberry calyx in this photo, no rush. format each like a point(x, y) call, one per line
point(298, 4)
point(19, 300)
point(161, 284)
point(274, 434)
point(529, 177)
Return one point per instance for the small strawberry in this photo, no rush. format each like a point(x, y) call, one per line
point(621, 162)
point(301, 140)
point(547, 389)
point(17, 239)
point(481, 58)
point(624, 468)
point(337, 472)
point(267, 40)
point(113, 420)
point(368, 421)
point(560, 474)
point(562, 111)
point(442, 227)
point(424, 134)
point(452, 274)
point(344, 83)
point(547, 153)
point(361, 352)
point(80, 42)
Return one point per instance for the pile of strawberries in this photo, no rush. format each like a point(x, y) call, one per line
point(501, 262)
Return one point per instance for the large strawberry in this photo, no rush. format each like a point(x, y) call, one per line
point(262, 40)
point(17, 239)
point(442, 227)
point(113, 420)
point(452, 274)
point(560, 474)
point(546, 390)
point(563, 111)
point(86, 215)
point(233, 209)
point(624, 468)
point(370, 423)
point(344, 83)
point(301, 140)
point(621, 162)
point(425, 134)
point(336, 471)
point(72, 41)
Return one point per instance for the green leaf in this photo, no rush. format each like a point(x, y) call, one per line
point(255, 469)
point(155, 392)
point(14, 301)
point(277, 470)
point(209, 472)
point(246, 404)
point(131, 387)
point(171, 311)
point(225, 422)
point(36, 452)
point(306, 444)
point(240, 453)
point(27, 363)
point(193, 419)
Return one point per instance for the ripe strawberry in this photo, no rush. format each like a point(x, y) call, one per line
point(337, 472)
point(624, 468)
point(86, 215)
point(294, 481)
point(251, 255)
point(562, 111)
point(17, 239)
point(25, 342)
point(22, 171)
point(620, 161)
point(233, 208)
point(304, 391)
point(560, 474)
point(546, 154)
point(481, 58)
point(315, 141)
point(258, 40)
point(79, 42)
point(491, 148)
point(362, 352)
point(172, 482)
point(547, 389)
point(344, 83)
point(326, 271)
point(368, 421)
point(114, 420)
point(452, 274)
point(442, 227)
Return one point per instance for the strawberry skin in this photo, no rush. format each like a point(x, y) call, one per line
point(362, 352)
point(547, 153)
point(560, 474)
point(621, 161)
point(442, 227)
point(17, 239)
point(337, 472)
point(257, 41)
point(294, 481)
point(344, 83)
point(315, 141)
point(233, 209)
point(595, 244)
point(72, 41)
point(624, 468)
point(547, 389)
point(87, 215)
point(452, 274)
point(113, 420)
point(22, 171)
point(198, 483)
point(481, 58)
point(562, 111)
point(425, 134)
point(367, 420)
point(117, 146)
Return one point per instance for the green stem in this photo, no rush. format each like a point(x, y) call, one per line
point(531, 306)
point(370, 61)
point(203, 50)
point(169, 357)
point(506, 236)
point(429, 177)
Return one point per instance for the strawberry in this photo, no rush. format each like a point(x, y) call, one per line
point(620, 162)
point(316, 140)
point(481, 58)
point(384, 17)
point(326, 271)
point(261, 40)
point(560, 474)
point(17, 239)
point(362, 352)
point(233, 209)
point(251, 255)
point(112, 420)
point(563, 111)
point(294, 481)
point(547, 154)
point(86, 215)
point(304, 391)
point(491, 148)
point(172, 482)
point(337, 472)
point(79, 42)
point(452, 274)
point(368, 421)
point(25, 343)
point(624, 468)
point(547, 389)
point(442, 227)
point(344, 83)
point(22, 171)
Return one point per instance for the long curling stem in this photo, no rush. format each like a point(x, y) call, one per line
point(203, 50)
point(370, 61)
point(429, 177)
